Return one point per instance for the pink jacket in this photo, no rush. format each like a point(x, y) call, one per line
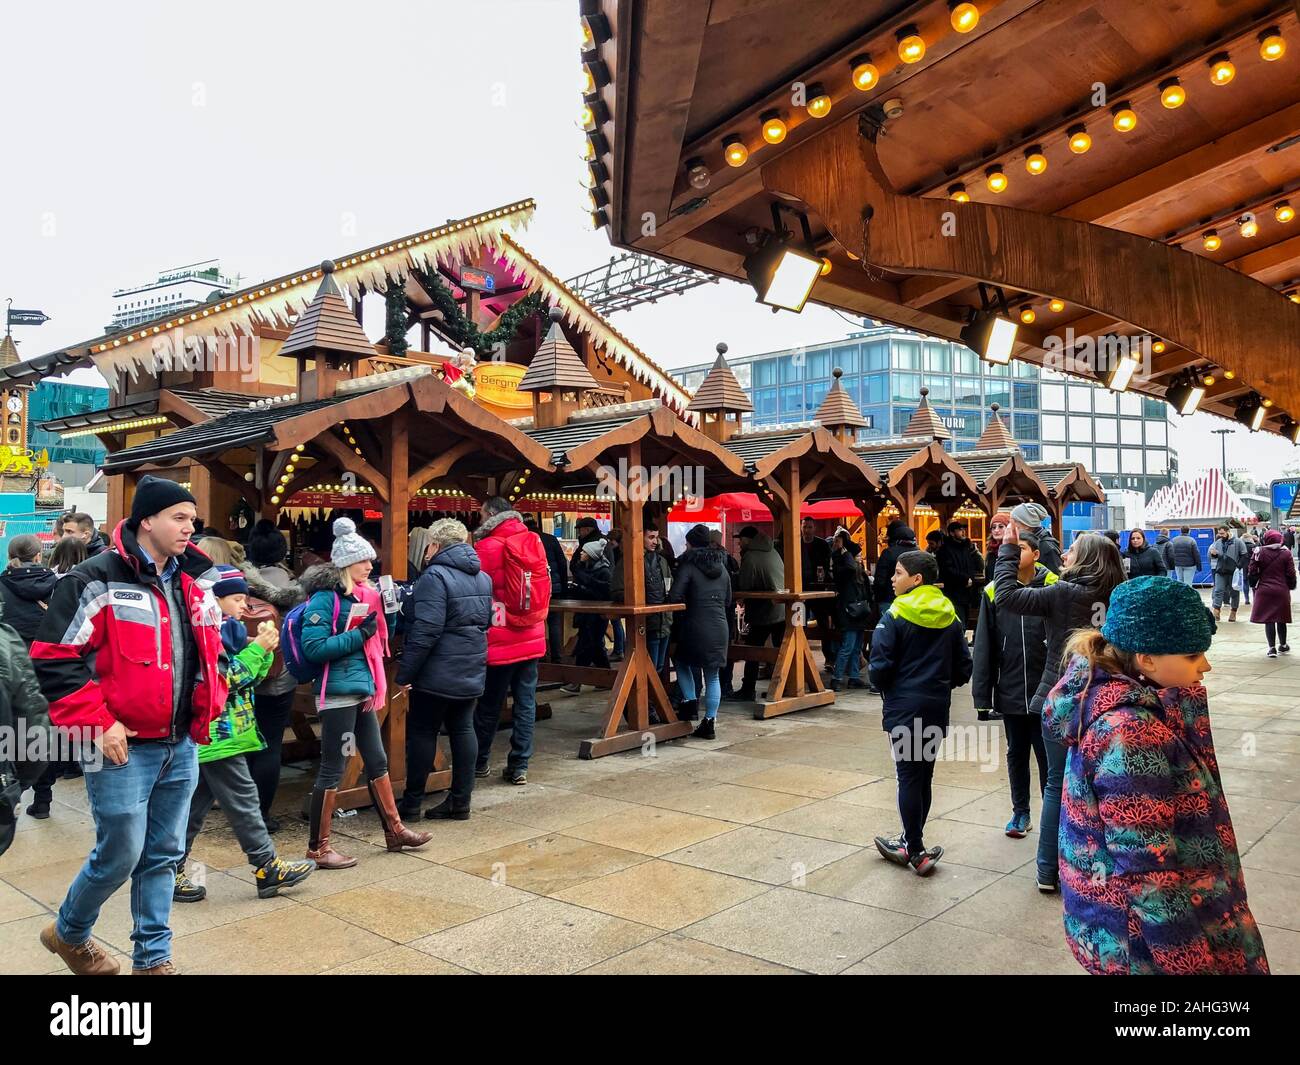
point(506, 645)
point(376, 647)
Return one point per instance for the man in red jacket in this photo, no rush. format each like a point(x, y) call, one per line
point(128, 654)
point(513, 649)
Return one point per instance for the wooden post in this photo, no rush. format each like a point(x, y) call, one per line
point(202, 489)
point(121, 488)
point(393, 559)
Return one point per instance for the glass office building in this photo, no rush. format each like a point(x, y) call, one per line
point(1122, 439)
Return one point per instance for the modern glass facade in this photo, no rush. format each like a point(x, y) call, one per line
point(1122, 439)
point(55, 399)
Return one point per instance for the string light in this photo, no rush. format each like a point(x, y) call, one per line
point(735, 151)
point(1221, 69)
point(958, 192)
point(1211, 241)
point(865, 73)
point(911, 48)
point(1271, 45)
point(117, 427)
point(963, 16)
point(1124, 118)
point(774, 127)
point(1172, 93)
point(1080, 142)
point(819, 101)
point(1035, 160)
point(995, 179)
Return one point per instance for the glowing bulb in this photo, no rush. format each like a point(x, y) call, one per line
point(1283, 211)
point(865, 73)
point(736, 152)
point(819, 101)
point(995, 179)
point(1271, 44)
point(1221, 69)
point(1158, 346)
point(911, 48)
point(1211, 241)
point(1172, 93)
point(1208, 380)
point(1247, 226)
point(1057, 306)
point(1124, 118)
point(774, 129)
point(826, 266)
point(958, 192)
point(1080, 142)
point(1295, 297)
point(1035, 160)
point(964, 17)
point(1027, 314)
point(1228, 375)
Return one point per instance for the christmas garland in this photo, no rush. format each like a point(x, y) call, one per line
point(463, 331)
point(395, 323)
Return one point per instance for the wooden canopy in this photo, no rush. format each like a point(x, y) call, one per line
point(1119, 137)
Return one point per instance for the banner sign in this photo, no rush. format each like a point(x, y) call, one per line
point(471, 278)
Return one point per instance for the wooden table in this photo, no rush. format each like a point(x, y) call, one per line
point(796, 683)
point(634, 685)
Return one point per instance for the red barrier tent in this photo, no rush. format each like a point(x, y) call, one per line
point(746, 506)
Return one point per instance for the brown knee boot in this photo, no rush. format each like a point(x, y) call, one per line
point(318, 845)
point(396, 834)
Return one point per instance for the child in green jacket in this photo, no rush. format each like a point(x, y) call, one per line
point(223, 769)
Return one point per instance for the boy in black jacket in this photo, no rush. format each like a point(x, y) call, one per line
point(918, 656)
point(1010, 651)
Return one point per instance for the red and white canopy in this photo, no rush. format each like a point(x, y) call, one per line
point(1205, 500)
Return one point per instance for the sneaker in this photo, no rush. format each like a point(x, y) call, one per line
point(186, 890)
point(895, 850)
point(1271, 653)
point(923, 864)
point(1285, 649)
point(704, 730)
point(873, 690)
point(39, 809)
point(482, 771)
point(836, 684)
point(1018, 827)
point(445, 811)
point(1049, 888)
point(987, 715)
point(277, 874)
point(514, 776)
point(571, 689)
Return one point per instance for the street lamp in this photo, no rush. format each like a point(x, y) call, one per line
point(1222, 434)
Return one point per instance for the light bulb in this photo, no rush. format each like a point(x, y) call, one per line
point(1056, 306)
point(819, 101)
point(995, 179)
point(1158, 346)
point(1172, 93)
point(1221, 69)
point(774, 128)
point(1124, 118)
point(1247, 226)
point(963, 16)
point(1271, 44)
point(865, 73)
point(911, 48)
point(1283, 211)
point(736, 152)
point(1035, 160)
point(1027, 314)
point(1211, 241)
point(958, 192)
point(1080, 142)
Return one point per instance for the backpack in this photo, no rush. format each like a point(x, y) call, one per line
point(257, 611)
point(526, 580)
point(291, 645)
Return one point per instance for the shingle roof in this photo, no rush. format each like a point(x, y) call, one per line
point(838, 408)
point(213, 401)
point(885, 459)
point(328, 325)
point(983, 462)
point(556, 364)
point(996, 435)
point(753, 447)
point(1053, 473)
point(720, 390)
point(106, 417)
point(237, 429)
point(926, 421)
point(8, 351)
point(563, 438)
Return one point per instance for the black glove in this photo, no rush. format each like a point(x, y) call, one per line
point(370, 626)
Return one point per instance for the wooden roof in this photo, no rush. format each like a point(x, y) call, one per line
point(1115, 232)
point(838, 408)
point(8, 351)
point(996, 435)
point(556, 364)
point(720, 391)
point(926, 421)
point(327, 326)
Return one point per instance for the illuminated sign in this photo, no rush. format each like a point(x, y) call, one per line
point(477, 280)
point(498, 383)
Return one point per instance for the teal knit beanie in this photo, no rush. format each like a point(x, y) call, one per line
point(1157, 616)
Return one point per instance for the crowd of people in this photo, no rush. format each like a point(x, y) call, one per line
point(184, 655)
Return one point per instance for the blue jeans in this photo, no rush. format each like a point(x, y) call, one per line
point(520, 680)
point(658, 648)
point(620, 637)
point(140, 810)
point(1225, 593)
point(1186, 574)
point(850, 652)
point(712, 687)
point(1048, 871)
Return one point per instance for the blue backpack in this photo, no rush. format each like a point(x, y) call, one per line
point(295, 661)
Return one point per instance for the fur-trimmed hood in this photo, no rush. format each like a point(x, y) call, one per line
point(280, 598)
point(497, 519)
point(323, 577)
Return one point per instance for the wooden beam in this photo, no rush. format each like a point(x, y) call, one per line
point(399, 497)
point(439, 467)
point(1269, 258)
point(349, 460)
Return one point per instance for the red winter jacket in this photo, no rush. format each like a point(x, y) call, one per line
point(506, 644)
point(103, 653)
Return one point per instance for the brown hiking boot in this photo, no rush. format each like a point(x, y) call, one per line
point(1232, 616)
point(163, 968)
point(321, 816)
point(396, 834)
point(84, 959)
point(1218, 613)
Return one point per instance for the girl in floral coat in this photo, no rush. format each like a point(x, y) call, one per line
point(1150, 875)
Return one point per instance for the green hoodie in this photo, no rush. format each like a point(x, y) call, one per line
point(925, 605)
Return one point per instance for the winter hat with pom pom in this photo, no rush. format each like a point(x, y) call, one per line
point(348, 546)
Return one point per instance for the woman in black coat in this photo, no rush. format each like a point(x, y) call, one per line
point(852, 610)
point(702, 583)
point(1078, 600)
point(444, 661)
point(1143, 559)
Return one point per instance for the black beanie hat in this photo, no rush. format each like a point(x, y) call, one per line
point(155, 494)
point(698, 536)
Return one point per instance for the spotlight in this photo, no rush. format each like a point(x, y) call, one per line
point(783, 271)
point(1291, 430)
point(595, 32)
point(593, 115)
point(595, 147)
point(596, 175)
point(1118, 376)
point(1185, 394)
point(990, 335)
point(1250, 412)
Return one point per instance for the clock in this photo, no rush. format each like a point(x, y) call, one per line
point(15, 404)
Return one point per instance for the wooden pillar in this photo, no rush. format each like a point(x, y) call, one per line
point(121, 489)
point(395, 531)
point(202, 489)
point(633, 561)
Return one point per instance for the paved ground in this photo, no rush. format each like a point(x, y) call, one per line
point(748, 854)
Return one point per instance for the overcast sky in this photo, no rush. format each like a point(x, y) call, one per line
point(143, 135)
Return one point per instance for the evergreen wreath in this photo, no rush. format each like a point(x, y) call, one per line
point(463, 331)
